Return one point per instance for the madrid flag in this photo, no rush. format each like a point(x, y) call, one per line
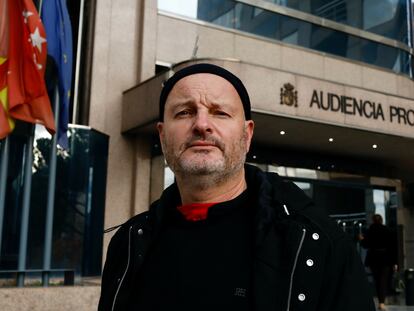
point(27, 95)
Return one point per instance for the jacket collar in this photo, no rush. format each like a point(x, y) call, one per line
point(275, 191)
point(270, 193)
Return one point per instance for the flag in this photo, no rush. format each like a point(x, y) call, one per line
point(58, 28)
point(6, 123)
point(27, 96)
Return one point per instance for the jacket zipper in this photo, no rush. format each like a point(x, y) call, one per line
point(294, 268)
point(126, 269)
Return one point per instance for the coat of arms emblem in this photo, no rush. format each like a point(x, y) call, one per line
point(288, 95)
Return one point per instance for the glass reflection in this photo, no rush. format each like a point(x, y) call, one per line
point(79, 201)
point(247, 18)
point(387, 18)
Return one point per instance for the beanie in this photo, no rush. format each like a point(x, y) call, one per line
point(205, 68)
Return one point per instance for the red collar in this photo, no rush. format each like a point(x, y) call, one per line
point(195, 211)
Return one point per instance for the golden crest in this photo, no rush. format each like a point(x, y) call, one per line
point(288, 95)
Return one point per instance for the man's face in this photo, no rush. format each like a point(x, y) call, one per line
point(204, 130)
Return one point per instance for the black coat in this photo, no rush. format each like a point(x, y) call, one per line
point(382, 246)
point(303, 261)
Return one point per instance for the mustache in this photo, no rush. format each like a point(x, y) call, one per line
point(210, 140)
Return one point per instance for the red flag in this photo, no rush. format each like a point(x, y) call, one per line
point(6, 123)
point(27, 94)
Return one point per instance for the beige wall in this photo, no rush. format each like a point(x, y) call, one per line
point(266, 85)
point(123, 56)
point(217, 42)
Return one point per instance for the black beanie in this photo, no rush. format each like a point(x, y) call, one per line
point(205, 68)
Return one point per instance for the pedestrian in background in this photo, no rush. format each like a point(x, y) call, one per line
point(381, 256)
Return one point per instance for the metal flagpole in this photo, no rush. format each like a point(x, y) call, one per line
point(39, 9)
point(27, 188)
point(77, 66)
point(4, 159)
point(47, 252)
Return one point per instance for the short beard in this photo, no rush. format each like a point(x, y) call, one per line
point(206, 173)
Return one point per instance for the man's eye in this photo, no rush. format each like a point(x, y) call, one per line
point(221, 113)
point(183, 113)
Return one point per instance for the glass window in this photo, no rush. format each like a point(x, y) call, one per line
point(377, 12)
point(306, 187)
point(79, 201)
point(387, 18)
point(168, 176)
point(14, 197)
point(378, 198)
point(243, 17)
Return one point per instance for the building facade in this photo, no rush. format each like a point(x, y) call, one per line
point(332, 96)
point(331, 86)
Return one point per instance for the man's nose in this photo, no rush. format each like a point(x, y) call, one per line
point(202, 123)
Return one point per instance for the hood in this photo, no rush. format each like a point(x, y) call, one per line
point(275, 191)
point(280, 201)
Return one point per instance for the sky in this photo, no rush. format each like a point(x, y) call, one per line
point(183, 7)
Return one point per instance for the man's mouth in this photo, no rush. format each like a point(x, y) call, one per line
point(205, 144)
point(202, 144)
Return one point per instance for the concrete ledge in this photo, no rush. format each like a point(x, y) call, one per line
point(79, 298)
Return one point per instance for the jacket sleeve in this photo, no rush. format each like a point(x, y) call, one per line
point(345, 286)
point(110, 272)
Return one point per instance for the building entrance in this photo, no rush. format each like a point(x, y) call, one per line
point(351, 204)
point(349, 200)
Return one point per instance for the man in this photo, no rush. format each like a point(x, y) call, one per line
point(381, 256)
point(225, 235)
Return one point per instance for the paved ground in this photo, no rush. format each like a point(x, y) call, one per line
point(396, 303)
point(400, 308)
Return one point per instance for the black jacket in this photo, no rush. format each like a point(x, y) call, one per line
point(382, 246)
point(303, 261)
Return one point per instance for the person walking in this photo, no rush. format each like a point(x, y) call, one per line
point(381, 256)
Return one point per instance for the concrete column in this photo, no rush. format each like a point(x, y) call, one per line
point(157, 177)
point(142, 176)
point(115, 68)
point(147, 39)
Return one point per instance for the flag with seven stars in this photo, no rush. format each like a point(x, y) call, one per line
point(27, 95)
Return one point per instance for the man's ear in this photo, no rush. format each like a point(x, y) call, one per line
point(160, 128)
point(249, 128)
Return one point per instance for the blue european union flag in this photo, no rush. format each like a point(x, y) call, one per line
point(58, 28)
